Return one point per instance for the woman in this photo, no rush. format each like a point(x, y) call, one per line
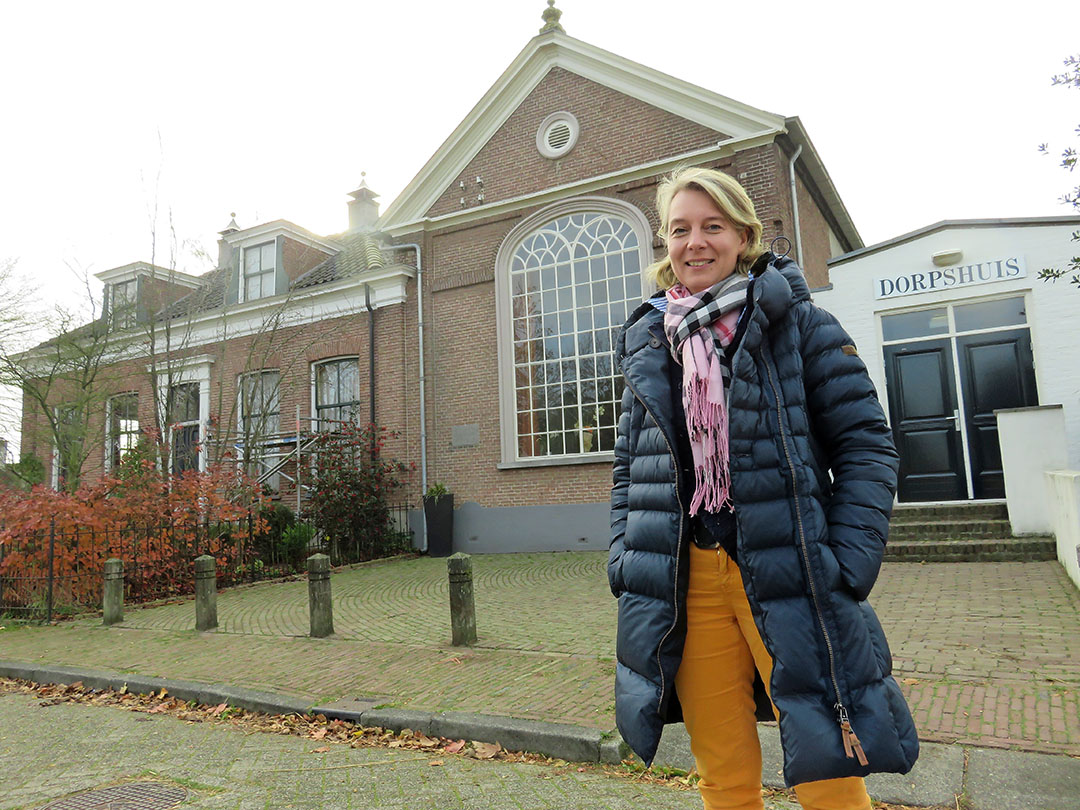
point(753, 482)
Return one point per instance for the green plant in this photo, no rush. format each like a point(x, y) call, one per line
point(436, 491)
point(295, 542)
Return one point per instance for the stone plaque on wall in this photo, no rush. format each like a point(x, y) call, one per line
point(465, 435)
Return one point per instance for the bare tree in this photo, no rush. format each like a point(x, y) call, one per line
point(1069, 79)
point(60, 378)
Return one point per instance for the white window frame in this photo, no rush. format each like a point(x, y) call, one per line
point(315, 387)
point(55, 472)
point(126, 318)
point(108, 427)
point(263, 272)
point(191, 369)
point(504, 330)
point(254, 452)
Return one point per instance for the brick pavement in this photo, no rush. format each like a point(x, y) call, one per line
point(987, 653)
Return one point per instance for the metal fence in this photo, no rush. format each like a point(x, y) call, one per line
point(57, 572)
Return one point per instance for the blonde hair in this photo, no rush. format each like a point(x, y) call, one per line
point(732, 200)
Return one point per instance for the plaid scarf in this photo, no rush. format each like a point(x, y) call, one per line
point(699, 327)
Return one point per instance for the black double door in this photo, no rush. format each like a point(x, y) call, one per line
point(996, 371)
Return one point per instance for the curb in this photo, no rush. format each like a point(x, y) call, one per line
point(556, 740)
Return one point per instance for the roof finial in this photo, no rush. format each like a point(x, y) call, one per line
point(551, 19)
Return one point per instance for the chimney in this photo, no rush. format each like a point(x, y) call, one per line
point(363, 210)
point(224, 249)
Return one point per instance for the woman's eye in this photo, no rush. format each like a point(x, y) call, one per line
point(678, 231)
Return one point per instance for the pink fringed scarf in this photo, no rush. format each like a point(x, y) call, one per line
point(699, 326)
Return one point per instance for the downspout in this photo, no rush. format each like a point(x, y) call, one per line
point(371, 349)
point(420, 340)
point(795, 207)
point(371, 364)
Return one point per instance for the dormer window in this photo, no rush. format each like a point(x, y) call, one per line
point(124, 296)
point(260, 267)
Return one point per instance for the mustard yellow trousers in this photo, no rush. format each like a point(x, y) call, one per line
point(715, 683)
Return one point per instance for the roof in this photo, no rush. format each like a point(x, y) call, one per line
point(210, 294)
point(360, 252)
point(947, 224)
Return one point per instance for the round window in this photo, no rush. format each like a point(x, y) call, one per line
point(557, 135)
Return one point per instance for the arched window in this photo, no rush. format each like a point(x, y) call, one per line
point(569, 277)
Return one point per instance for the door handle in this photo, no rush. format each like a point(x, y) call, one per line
point(955, 418)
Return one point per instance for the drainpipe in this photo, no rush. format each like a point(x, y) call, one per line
point(795, 207)
point(420, 339)
point(371, 349)
point(371, 365)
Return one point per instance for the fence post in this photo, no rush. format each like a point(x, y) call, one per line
point(112, 601)
point(462, 609)
point(319, 602)
point(205, 593)
point(52, 553)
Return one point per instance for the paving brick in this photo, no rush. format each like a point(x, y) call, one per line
point(999, 641)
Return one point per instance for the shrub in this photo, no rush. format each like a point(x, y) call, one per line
point(351, 485)
point(156, 526)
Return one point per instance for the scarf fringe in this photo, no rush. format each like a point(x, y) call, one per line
point(706, 422)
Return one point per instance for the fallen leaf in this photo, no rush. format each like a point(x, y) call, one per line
point(486, 750)
point(435, 762)
point(909, 681)
point(395, 744)
point(217, 710)
point(318, 734)
point(162, 693)
point(454, 747)
point(321, 750)
point(158, 709)
point(424, 741)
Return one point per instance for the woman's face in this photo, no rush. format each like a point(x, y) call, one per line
point(703, 244)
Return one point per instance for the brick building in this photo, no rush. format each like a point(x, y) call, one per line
point(483, 303)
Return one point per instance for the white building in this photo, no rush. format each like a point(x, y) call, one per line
point(954, 324)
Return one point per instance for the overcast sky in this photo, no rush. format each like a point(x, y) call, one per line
point(122, 119)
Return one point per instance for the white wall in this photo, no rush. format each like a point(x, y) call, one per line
point(1032, 442)
point(1064, 494)
point(1052, 309)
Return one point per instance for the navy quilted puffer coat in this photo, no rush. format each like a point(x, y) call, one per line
point(813, 472)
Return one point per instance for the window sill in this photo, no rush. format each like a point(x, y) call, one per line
point(558, 461)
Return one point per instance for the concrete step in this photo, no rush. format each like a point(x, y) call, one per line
point(920, 530)
point(958, 510)
point(1009, 549)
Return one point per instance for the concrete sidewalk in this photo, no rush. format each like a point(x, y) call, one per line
point(988, 654)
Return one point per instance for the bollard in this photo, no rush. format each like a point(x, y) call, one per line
point(319, 602)
point(462, 609)
point(205, 593)
point(112, 600)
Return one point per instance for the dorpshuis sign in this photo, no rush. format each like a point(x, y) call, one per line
point(947, 278)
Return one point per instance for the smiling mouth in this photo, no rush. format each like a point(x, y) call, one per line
point(699, 263)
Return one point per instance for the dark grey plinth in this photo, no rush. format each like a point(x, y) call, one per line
point(462, 608)
point(205, 593)
point(319, 602)
point(112, 600)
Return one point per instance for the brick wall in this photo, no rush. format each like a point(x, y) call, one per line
point(462, 353)
point(299, 258)
point(612, 124)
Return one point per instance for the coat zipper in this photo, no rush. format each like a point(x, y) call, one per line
point(674, 461)
point(852, 746)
